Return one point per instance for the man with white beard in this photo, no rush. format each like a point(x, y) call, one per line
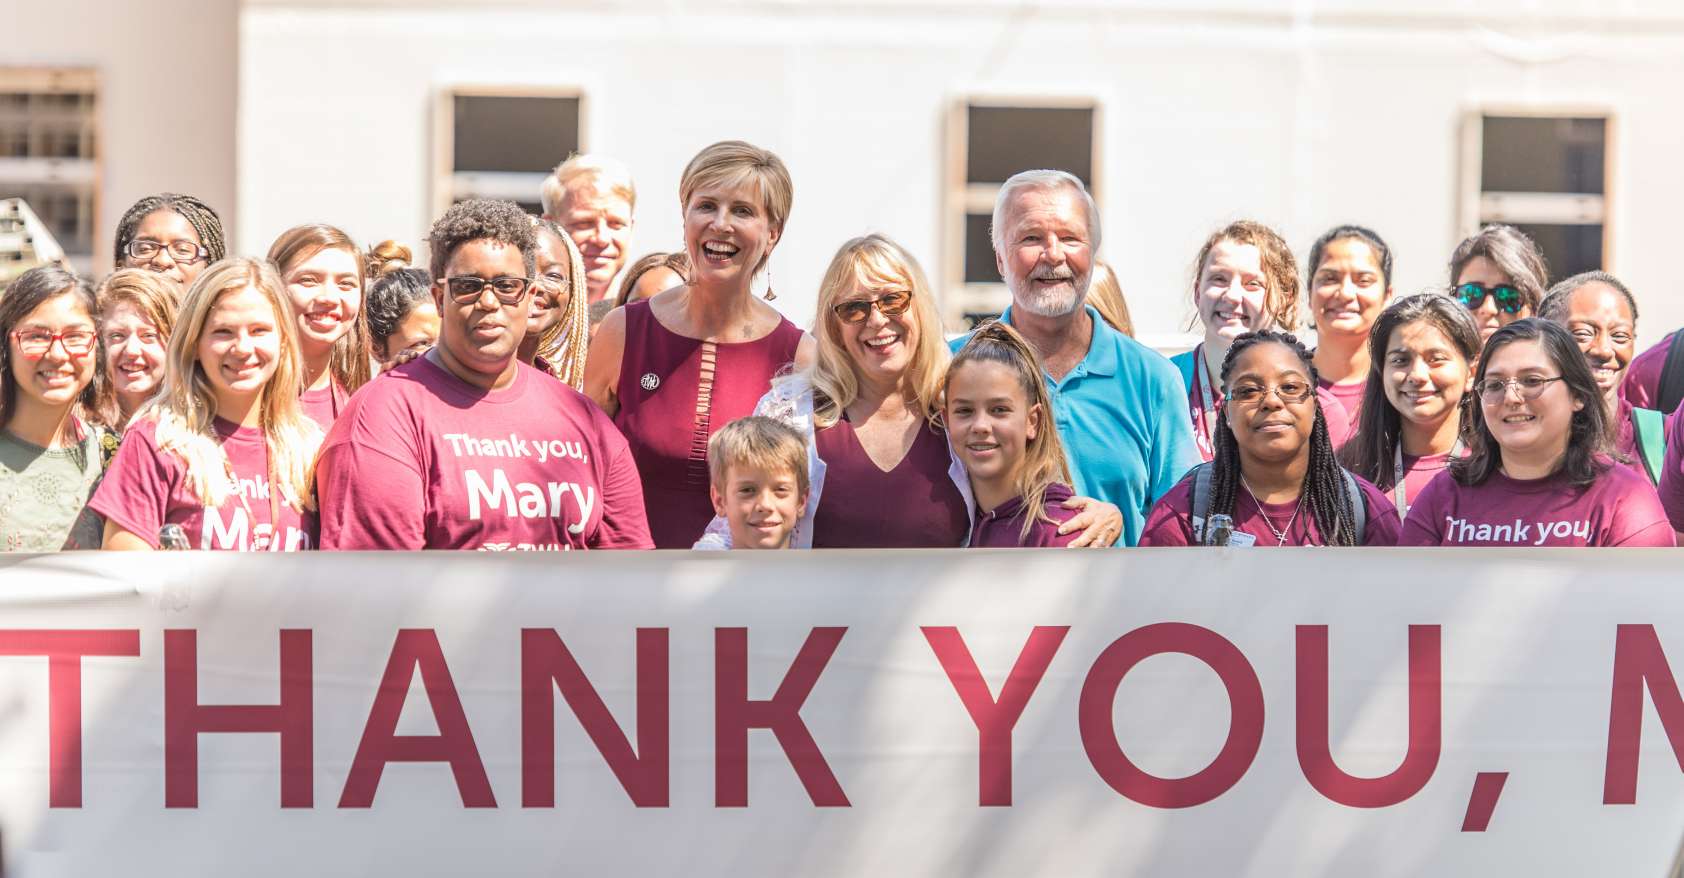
point(1119, 405)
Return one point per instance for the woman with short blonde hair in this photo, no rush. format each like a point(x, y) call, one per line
point(224, 450)
point(674, 368)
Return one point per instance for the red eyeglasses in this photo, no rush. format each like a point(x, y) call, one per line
point(35, 343)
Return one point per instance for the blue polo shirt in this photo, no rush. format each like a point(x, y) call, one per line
point(1122, 415)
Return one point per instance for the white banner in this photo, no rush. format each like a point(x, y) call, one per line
point(1153, 712)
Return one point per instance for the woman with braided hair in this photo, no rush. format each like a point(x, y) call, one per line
point(557, 325)
point(174, 235)
point(1274, 480)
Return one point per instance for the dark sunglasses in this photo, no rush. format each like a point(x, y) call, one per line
point(1507, 298)
point(888, 304)
point(467, 288)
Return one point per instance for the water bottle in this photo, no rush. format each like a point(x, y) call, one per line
point(173, 537)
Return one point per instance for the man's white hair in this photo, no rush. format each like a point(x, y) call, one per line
point(1044, 181)
point(600, 171)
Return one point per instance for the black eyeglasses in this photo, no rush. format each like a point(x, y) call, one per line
point(1251, 395)
point(468, 288)
point(1494, 390)
point(184, 252)
point(1507, 298)
point(888, 304)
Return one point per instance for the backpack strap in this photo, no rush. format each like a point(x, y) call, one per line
point(1201, 501)
point(1651, 439)
point(1672, 376)
point(1359, 507)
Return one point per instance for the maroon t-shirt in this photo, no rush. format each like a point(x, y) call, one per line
point(324, 406)
point(1619, 509)
point(420, 459)
point(1350, 401)
point(675, 392)
point(1625, 439)
point(1418, 472)
point(146, 488)
point(1170, 522)
point(914, 505)
point(1002, 527)
point(1642, 384)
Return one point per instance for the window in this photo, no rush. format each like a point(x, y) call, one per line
point(501, 143)
point(1546, 174)
point(49, 159)
point(988, 142)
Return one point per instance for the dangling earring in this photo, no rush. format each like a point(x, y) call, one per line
point(770, 294)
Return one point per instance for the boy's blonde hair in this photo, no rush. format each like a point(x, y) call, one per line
point(757, 441)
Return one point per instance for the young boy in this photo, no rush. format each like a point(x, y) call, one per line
point(758, 467)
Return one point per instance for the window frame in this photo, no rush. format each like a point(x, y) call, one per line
point(448, 184)
point(82, 177)
point(1477, 208)
point(961, 198)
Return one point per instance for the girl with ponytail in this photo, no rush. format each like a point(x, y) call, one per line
point(999, 423)
point(1274, 480)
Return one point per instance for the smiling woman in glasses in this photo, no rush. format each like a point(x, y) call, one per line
point(1274, 480)
point(1538, 470)
point(174, 235)
point(49, 458)
point(467, 447)
point(1499, 275)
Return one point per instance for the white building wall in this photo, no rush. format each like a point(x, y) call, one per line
point(1301, 114)
point(166, 93)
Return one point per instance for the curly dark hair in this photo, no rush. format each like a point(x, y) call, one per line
point(198, 214)
point(479, 219)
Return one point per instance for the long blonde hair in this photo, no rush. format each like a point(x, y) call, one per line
point(565, 344)
point(878, 264)
point(1043, 457)
point(186, 404)
point(350, 364)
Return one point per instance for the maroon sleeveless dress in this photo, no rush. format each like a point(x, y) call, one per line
point(913, 506)
point(675, 393)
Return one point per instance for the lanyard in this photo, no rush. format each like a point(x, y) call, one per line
point(274, 538)
point(1399, 492)
point(1203, 401)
